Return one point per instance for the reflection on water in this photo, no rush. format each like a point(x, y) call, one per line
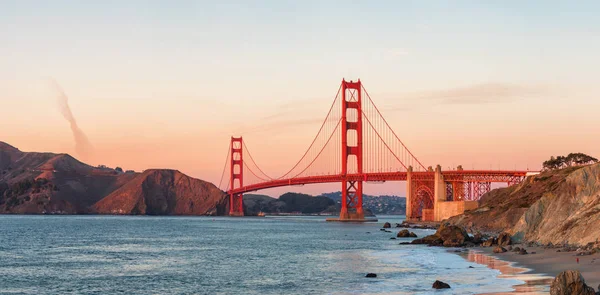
point(534, 284)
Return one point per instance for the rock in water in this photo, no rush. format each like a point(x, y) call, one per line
point(440, 285)
point(387, 225)
point(504, 239)
point(499, 249)
point(406, 234)
point(570, 282)
point(371, 275)
point(522, 251)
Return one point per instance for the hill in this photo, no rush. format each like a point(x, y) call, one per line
point(288, 203)
point(561, 206)
point(164, 192)
point(377, 204)
point(42, 183)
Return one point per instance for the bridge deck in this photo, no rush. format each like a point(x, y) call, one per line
point(449, 176)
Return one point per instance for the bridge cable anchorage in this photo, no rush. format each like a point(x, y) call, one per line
point(225, 168)
point(392, 130)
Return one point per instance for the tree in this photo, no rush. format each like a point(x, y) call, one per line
point(572, 159)
point(119, 169)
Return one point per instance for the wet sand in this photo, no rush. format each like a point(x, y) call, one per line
point(550, 262)
point(534, 284)
point(538, 269)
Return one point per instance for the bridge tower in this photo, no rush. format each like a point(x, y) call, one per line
point(236, 207)
point(352, 151)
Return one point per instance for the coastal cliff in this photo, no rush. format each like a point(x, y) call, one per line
point(48, 183)
point(557, 207)
point(164, 192)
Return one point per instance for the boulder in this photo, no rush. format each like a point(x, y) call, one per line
point(477, 238)
point(504, 239)
point(406, 234)
point(440, 285)
point(432, 240)
point(403, 234)
point(499, 249)
point(570, 282)
point(371, 275)
point(387, 225)
point(522, 251)
point(489, 242)
point(452, 235)
point(517, 249)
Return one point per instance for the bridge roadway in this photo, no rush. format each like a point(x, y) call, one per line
point(449, 176)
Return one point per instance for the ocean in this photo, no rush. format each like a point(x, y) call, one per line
point(223, 255)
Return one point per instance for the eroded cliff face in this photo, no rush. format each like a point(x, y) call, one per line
point(553, 207)
point(164, 192)
point(571, 213)
point(47, 183)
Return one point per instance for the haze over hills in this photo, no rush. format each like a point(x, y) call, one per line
point(328, 203)
point(37, 183)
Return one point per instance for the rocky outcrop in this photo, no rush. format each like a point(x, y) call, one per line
point(447, 236)
point(440, 285)
point(504, 239)
point(406, 234)
point(555, 207)
point(48, 183)
point(164, 192)
point(570, 282)
point(499, 249)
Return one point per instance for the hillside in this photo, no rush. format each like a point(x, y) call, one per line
point(377, 204)
point(288, 203)
point(42, 183)
point(164, 192)
point(560, 206)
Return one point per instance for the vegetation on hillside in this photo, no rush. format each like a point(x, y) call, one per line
point(573, 159)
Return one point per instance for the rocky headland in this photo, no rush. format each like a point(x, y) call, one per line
point(559, 207)
point(48, 183)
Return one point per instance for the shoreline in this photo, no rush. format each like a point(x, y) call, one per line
point(536, 270)
point(549, 262)
point(532, 283)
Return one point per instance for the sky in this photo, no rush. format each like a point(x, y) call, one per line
point(165, 84)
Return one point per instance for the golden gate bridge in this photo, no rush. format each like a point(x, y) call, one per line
point(355, 144)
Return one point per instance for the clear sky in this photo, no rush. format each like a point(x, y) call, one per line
point(164, 84)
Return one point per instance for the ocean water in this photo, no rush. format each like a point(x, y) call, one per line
point(222, 255)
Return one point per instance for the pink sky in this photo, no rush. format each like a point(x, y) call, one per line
point(166, 87)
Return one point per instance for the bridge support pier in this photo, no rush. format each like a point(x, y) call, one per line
point(236, 202)
point(409, 194)
point(352, 152)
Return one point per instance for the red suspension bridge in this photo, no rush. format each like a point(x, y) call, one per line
point(355, 144)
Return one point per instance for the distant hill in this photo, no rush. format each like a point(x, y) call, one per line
point(323, 204)
point(377, 204)
point(288, 203)
point(38, 183)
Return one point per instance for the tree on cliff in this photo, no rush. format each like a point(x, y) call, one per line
point(573, 159)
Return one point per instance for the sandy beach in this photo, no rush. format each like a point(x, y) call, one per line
point(540, 267)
